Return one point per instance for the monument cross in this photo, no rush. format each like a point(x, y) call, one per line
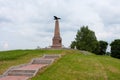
point(57, 40)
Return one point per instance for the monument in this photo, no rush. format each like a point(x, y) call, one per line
point(57, 40)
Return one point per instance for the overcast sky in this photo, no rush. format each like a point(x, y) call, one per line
point(26, 24)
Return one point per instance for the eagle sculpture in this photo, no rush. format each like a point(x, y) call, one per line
point(56, 18)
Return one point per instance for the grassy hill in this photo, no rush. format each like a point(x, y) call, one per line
point(16, 57)
point(74, 65)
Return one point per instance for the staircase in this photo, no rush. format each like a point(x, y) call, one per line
point(26, 71)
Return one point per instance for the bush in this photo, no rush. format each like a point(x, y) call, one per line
point(115, 48)
point(102, 47)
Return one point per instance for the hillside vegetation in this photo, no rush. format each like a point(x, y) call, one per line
point(17, 57)
point(74, 65)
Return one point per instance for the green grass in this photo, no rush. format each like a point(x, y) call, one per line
point(17, 57)
point(72, 66)
point(82, 67)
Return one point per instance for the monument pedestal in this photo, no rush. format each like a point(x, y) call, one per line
point(57, 40)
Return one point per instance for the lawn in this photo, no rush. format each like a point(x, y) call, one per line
point(17, 57)
point(77, 66)
point(72, 66)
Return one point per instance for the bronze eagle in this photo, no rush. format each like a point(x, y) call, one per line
point(56, 18)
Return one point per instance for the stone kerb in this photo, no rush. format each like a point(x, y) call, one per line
point(42, 61)
point(1, 76)
point(21, 72)
point(52, 56)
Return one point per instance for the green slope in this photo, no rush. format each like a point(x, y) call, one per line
point(77, 66)
point(17, 57)
point(72, 66)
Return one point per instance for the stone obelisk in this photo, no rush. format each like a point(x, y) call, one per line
point(57, 40)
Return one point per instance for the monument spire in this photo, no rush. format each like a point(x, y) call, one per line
point(56, 41)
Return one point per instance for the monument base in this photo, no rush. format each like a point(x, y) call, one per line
point(56, 46)
point(57, 40)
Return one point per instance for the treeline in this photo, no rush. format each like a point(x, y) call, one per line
point(86, 40)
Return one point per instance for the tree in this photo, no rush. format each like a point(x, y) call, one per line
point(86, 40)
point(73, 44)
point(102, 47)
point(115, 48)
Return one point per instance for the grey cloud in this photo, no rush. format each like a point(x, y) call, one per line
point(30, 22)
point(5, 20)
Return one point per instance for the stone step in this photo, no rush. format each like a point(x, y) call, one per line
point(42, 61)
point(15, 78)
point(52, 56)
point(21, 72)
point(25, 71)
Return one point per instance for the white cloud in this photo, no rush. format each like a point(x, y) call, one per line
point(5, 45)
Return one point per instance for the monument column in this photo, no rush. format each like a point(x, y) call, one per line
point(57, 40)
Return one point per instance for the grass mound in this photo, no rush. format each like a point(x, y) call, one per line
point(77, 66)
point(17, 57)
point(74, 65)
